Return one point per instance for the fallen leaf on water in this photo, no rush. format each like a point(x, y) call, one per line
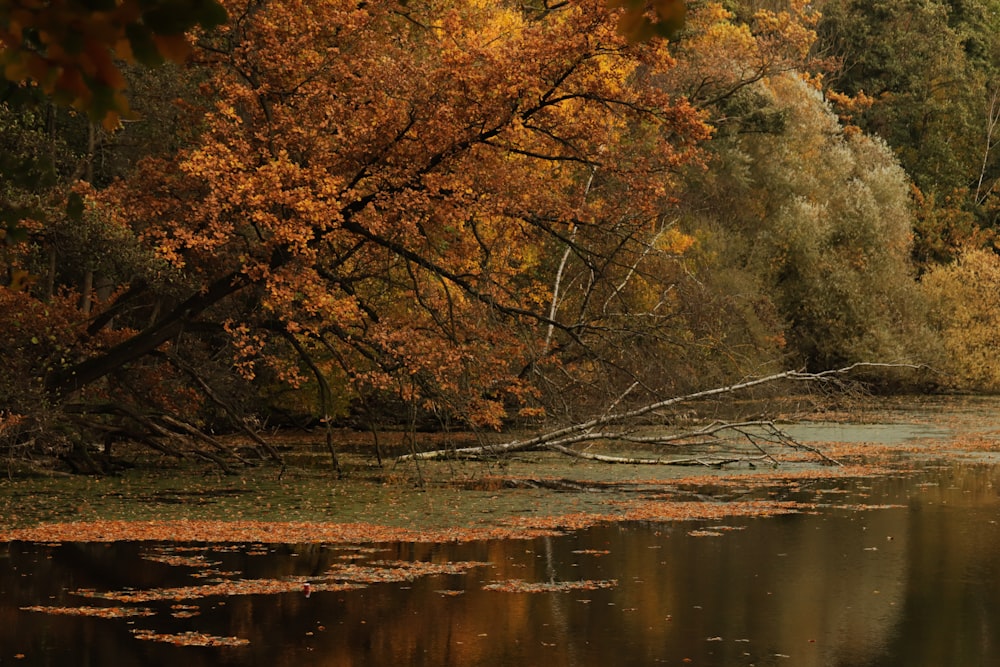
point(521, 586)
point(189, 639)
point(97, 612)
point(177, 560)
point(389, 571)
point(237, 587)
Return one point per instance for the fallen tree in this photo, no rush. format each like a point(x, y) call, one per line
point(621, 427)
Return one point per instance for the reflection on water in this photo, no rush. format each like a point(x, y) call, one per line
point(915, 585)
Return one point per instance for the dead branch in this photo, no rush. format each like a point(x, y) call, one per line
point(596, 428)
point(159, 431)
point(707, 461)
point(198, 434)
point(229, 410)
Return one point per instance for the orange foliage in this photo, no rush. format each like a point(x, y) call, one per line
point(723, 52)
point(37, 336)
point(396, 181)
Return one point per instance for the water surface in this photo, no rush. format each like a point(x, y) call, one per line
point(914, 584)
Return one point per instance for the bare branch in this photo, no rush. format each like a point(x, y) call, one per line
point(593, 429)
point(707, 461)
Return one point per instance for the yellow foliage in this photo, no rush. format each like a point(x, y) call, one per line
point(966, 308)
point(674, 241)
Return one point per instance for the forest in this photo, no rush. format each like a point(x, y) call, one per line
point(479, 214)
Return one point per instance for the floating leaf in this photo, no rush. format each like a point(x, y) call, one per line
point(97, 612)
point(520, 586)
point(189, 638)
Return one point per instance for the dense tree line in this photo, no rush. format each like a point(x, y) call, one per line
point(476, 212)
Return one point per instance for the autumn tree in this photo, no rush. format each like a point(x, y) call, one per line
point(963, 299)
point(926, 74)
point(728, 47)
point(451, 202)
point(818, 223)
point(713, 328)
point(72, 55)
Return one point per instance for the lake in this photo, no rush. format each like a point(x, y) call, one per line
point(899, 570)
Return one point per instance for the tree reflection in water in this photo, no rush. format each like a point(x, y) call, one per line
point(914, 585)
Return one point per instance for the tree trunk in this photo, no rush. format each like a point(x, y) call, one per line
point(63, 382)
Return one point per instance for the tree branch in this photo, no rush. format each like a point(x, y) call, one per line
point(591, 429)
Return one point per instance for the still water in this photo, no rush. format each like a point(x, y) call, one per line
point(914, 584)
